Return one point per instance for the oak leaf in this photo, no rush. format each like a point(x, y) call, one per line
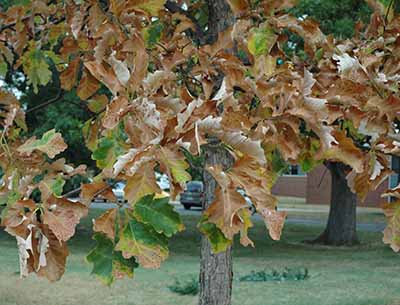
point(174, 164)
point(391, 234)
point(36, 68)
point(62, 216)
point(56, 255)
point(142, 242)
point(105, 223)
point(105, 75)
point(159, 214)
point(150, 6)
point(345, 151)
point(88, 86)
point(219, 243)
point(91, 190)
point(69, 76)
point(51, 143)
point(223, 211)
point(238, 6)
point(274, 220)
point(109, 264)
point(115, 110)
point(262, 40)
point(142, 183)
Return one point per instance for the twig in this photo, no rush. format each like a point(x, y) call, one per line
point(323, 176)
point(163, 47)
point(77, 190)
point(387, 13)
point(49, 102)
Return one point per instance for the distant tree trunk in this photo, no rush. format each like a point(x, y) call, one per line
point(342, 221)
point(215, 269)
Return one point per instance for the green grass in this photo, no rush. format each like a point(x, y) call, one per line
point(299, 209)
point(364, 275)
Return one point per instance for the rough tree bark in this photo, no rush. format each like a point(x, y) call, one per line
point(220, 17)
point(215, 269)
point(342, 221)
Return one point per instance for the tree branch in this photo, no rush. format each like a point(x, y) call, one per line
point(45, 104)
point(173, 7)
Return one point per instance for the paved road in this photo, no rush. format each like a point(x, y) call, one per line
point(369, 227)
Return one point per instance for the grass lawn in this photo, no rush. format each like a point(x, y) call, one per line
point(299, 209)
point(368, 274)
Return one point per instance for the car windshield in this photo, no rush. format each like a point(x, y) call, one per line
point(119, 186)
point(195, 186)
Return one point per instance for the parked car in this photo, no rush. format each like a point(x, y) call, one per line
point(118, 191)
point(193, 195)
point(162, 181)
point(248, 200)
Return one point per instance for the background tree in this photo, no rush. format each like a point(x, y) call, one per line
point(157, 80)
point(339, 19)
point(335, 17)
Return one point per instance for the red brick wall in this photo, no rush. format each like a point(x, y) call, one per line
point(318, 186)
point(318, 189)
point(292, 186)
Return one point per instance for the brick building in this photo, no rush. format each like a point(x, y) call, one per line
point(315, 186)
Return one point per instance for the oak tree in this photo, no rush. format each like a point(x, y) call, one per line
point(157, 81)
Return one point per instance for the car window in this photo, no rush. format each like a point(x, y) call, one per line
point(195, 187)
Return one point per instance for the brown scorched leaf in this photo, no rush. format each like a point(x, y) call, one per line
point(51, 143)
point(62, 216)
point(105, 223)
point(391, 235)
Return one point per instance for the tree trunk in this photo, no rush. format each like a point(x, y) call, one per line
point(220, 17)
point(342, 221)
point(215, 269)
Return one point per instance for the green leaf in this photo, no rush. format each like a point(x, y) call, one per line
point(175, 163)
point(307, 160)
point(57, 60)
point(57, 186)
point(278, 164)
point(90, 134)
point(261, 40)
point(307, 164)
point(108, 150)
point(144, 243)
point(159, 214)
point(109, 264)
point(51, 143)
point(319, 54)
point(152, 34)
point(3, 68)
point(98, 103)
point(36, 68)
point(103, 149)
point(51, 186)
point(352, 131)
point(219, 243)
